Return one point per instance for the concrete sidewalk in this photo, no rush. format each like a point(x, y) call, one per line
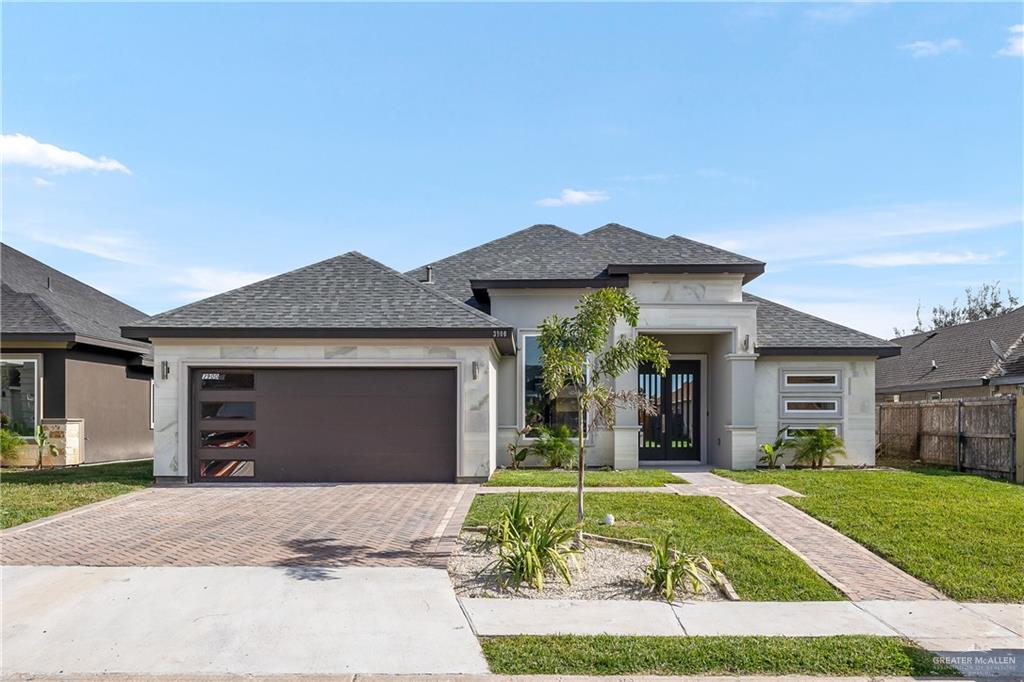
point(979, 639)
point(75, 621)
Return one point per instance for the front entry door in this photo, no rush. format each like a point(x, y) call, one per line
point(674, 432)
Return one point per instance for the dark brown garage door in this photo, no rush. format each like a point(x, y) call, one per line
point(323, 425)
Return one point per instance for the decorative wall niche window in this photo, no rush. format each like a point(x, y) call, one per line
point(227, 439)
point(797, 431)
point(538, 408)
point(808, 406)
point(227, 410)
point(226, 381)
point(226, 468)
point(812, 380)
point(19, 383)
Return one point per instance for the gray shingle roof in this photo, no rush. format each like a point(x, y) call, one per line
point(962, 354)
point(548, 252)
point(782, 328)
point(67, 307)
point(349, 291)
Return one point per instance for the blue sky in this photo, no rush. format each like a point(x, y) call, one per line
point(870, 153)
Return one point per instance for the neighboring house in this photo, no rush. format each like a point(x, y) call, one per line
point(64, 363)
point(972, 360)
point(347, 370)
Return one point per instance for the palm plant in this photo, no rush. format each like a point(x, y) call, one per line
point(554, 445)
point(817, 447)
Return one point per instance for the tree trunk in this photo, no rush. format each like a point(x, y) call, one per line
point(581, 467)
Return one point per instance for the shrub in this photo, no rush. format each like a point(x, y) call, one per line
point(555, 445)
point(528, 548)
point(771, 453)
point(9, 443)
point(818, 447)
point(669, 570)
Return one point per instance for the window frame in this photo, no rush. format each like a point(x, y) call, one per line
point(836, 413)
point(785, 387)
point(37, 407)
point(836, 426)
point(521, 387)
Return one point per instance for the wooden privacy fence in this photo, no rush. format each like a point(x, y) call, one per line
point(972, 434)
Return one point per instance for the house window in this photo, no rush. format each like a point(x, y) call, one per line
point(811, 379)
point(797, 431)
point(810, 406)
point(539, 409)
point(19, 404)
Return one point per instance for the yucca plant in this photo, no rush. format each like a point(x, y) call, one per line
point(818, 447)
point(670, 570)
point(514, 518)
point(530, 549)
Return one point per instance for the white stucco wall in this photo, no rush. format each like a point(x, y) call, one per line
point(477, 441)
point(857, 394)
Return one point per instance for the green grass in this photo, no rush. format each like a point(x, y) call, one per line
point(546, 478)
point(959, 532)
point(29, 495)
point(759, 568)
point(611, 655)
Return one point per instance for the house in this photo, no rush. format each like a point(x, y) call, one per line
point(65, 365)
point(972, 360)
point(346, 370)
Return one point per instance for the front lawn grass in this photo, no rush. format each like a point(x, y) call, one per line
point(612, 655)
point(30, 495)
point(549, 478)
point(959, 532)
point(759, 568)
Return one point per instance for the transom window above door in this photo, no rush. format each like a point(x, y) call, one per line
point(539, 409)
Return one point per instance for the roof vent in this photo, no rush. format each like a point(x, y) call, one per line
point(430, 275)
point(934, 365)
point(48, 286)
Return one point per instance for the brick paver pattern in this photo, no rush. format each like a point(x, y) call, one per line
point(289, 526)
point(853, 569)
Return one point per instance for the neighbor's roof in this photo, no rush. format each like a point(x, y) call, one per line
point(963, 355)
point(550, 254)
point(41, 303)
point(783, 330)
point(349, 295)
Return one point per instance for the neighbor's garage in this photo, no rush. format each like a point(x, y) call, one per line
point(323, 424)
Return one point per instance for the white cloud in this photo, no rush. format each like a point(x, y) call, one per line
point(1015, 43)
point(202, 282)
point(575, 197)
point(841, 233)
point(120, 246)
point(22, 150)
point(41, 182)
point(931, 48)
point(903, 258)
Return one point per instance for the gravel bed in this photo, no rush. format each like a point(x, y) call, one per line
point(603, 571)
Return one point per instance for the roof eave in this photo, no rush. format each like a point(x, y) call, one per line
point(72, 338)
point(931, 386)
point(870, 351)
point(748, 270)
point(481, 287)
point(503, 337)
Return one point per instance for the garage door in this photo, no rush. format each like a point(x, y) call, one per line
point(324, 425)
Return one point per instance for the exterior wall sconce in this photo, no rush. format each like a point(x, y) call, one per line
point(476, 369)
point(165, 370)
point(746, 342)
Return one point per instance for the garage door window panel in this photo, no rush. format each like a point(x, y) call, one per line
point(228, 439)
point(227, 468)
point(227, 410)
point(213, 380)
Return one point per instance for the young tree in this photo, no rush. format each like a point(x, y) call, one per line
point(577, 354)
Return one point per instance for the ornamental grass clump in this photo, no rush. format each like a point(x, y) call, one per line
point(670, 570)
point(530, 547)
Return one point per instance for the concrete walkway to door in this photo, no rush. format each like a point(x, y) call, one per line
point(391, 524)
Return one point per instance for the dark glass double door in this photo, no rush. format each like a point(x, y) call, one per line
point(674, 432)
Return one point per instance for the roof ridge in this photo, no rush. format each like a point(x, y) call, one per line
point(997, 366)
point(820, 319)
point(498, 241)
point(425, 287)
point(964, 324)
point(50, 312)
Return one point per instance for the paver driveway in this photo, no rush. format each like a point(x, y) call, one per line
point(292, 526)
